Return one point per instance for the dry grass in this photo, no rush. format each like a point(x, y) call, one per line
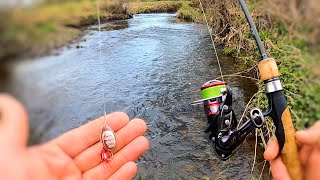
point(296, 19)
point(300, 16)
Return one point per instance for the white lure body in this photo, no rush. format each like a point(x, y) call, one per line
point(109, 139)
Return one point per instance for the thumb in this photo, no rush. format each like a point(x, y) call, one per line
point(13, 122)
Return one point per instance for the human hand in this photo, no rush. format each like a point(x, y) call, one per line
point(309, 152)
point(74, 155)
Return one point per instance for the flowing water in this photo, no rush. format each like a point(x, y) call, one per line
point(151, 67)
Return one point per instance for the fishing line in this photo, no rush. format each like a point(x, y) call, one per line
point(99, 27)
point(211, 37)
point(100, 53)
point(107, 137)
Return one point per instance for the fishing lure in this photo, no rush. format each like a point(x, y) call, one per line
point(108, 140)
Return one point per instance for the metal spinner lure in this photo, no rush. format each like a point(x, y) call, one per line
point(108, 140)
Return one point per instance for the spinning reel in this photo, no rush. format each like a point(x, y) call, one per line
point(225, 135)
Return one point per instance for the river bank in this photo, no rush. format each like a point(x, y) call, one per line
point(37, 30)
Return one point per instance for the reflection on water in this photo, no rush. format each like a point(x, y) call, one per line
point(152, 69)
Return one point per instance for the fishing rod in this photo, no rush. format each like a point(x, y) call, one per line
point(225, 134)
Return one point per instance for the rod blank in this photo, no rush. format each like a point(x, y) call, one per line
point(254, 30)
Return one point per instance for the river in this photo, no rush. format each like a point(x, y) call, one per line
point(150, 67)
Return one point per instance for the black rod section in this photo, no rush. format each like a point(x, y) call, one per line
point(254, 30)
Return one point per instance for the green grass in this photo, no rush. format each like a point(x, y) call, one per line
point(190, 13)
point(155, 6)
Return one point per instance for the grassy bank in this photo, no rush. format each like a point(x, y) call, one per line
point(141, 7)
point(190, 11)
point(185, 9)
point(291, 36)
point(36, 30)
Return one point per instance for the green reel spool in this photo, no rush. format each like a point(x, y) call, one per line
point(211, 89)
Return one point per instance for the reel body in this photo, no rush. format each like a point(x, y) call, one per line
point(222, 120)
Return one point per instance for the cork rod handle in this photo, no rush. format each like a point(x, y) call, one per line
point(289, 153)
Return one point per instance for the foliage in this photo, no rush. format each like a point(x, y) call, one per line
point(190, 11)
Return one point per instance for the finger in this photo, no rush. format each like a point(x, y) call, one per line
point(279, 170)
point(79, 139)
point(310, 136)
point(304, 154)
point(13, 122)
point(127, 171)
point(272, 150)
point(131, 152)
point(91, 156)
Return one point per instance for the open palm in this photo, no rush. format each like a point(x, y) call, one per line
point(74, 155)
